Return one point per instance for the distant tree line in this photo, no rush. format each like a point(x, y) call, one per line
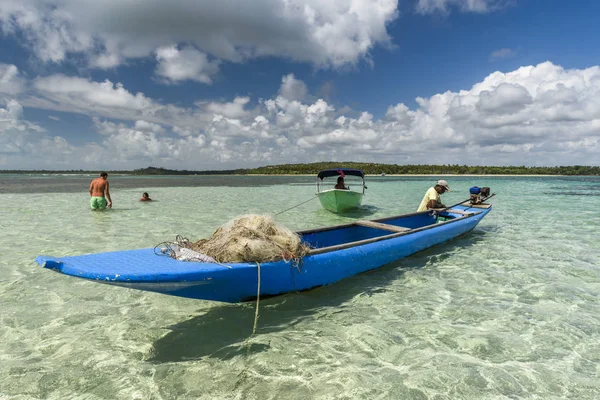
point(394, 169)
point(367, 168)
point(140, 171)
point(165, 171)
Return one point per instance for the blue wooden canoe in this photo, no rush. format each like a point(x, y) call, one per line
point(337, 252)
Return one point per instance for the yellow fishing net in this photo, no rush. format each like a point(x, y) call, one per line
point(252, 238)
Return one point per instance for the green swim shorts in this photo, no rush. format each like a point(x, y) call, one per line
point(98, 203)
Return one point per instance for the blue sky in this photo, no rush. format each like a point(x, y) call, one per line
point(112, 84)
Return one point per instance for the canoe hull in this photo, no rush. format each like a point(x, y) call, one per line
point(143, 270)
point(337, 200)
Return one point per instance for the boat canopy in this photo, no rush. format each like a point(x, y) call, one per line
point(340, 171)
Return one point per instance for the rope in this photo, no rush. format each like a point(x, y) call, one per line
point(169, 249)
point(297, 205)
point(257, 300)
point(166, 248)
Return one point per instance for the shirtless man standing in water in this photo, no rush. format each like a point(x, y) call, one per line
point(98, 190)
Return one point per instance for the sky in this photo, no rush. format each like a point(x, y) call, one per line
point(201, 84)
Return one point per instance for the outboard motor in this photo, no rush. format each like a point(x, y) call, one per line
point(478, 195)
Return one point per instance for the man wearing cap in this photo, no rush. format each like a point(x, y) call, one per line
point(432, 196)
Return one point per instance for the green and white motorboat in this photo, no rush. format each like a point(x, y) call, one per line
point(339, 200)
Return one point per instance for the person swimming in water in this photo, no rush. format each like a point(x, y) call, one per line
point(145, 197)
point(99, 191)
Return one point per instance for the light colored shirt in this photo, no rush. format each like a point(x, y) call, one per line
point(431, 194)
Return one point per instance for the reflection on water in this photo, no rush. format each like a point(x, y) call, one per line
point(225, 329)
point(364, 211)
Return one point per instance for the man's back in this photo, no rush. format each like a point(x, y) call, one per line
point(98, 191)
point(431, 194)
point(98, 187)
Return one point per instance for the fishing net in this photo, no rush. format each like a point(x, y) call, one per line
point(251, 238)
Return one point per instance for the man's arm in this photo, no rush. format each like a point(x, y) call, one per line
point(91, 188)
point(108, 195)
point(433, 203)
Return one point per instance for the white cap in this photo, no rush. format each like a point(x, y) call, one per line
point(443, 183)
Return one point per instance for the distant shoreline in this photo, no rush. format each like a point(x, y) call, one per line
point(369, 169)
point(121, 173)
point(417, 175)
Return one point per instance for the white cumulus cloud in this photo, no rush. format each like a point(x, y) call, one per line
point(10, 80)
point(292, 88)
point(109, 32)
point(18, 137)
point(11, 118)
point(176, 65)
point(146, 126)
point(234, 109)
point(535, 115)
point(74, 94)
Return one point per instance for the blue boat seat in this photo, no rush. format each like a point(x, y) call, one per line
point(379, 225)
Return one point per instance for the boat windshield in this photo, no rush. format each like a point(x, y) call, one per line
point(342, 178)
point(348, 182)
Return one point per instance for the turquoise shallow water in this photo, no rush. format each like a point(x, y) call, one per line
point(509, 311)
